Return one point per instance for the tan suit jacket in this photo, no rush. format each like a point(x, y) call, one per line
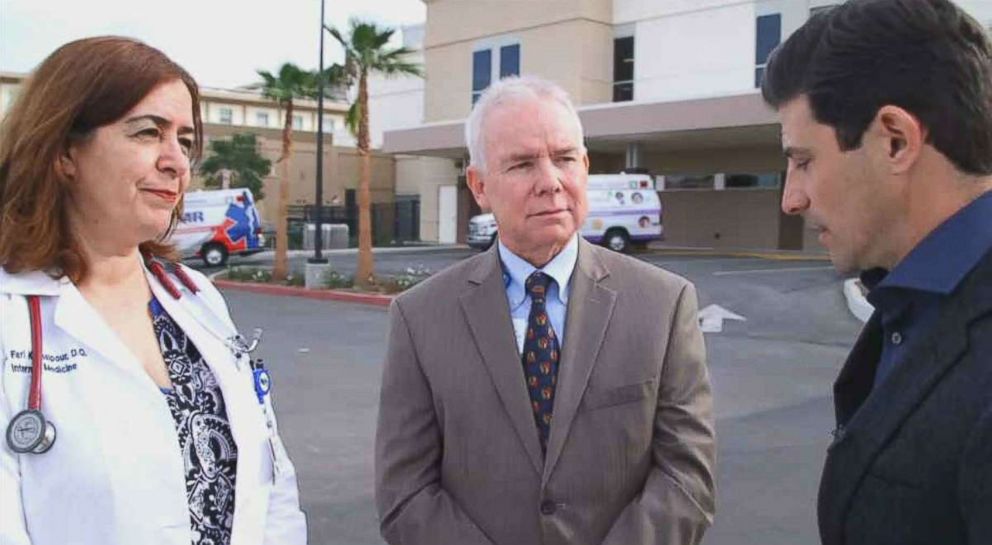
point(631, 453)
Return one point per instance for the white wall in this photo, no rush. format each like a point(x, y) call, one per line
point(695, 48)
point(979, 9)
point(629, 11)
point(693, 53)
point(8, 93)
point(398, 102)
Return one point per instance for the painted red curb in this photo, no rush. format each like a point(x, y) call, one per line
point(373, 299)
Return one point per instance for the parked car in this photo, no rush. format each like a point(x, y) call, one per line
point(624, 209)
point(217, 224)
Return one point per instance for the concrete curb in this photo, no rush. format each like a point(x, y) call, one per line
point(856, 302)
point(432, 248)
point(372, 299)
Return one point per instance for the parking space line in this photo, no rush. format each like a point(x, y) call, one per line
point(782, 269)
point(704, 261)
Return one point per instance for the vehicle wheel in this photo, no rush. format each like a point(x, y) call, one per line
point(492, 240)
point(214, 255)
point(617, 240)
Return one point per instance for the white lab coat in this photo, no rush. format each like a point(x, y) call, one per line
point(115, 475)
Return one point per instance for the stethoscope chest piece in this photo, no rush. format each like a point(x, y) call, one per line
point(30, 432)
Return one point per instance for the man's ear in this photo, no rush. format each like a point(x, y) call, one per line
point(901, 137)
point(476, 183)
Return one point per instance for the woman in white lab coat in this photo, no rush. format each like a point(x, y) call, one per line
point(150, 424)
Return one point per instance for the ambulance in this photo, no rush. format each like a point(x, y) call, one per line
point(217, 224)
point(624, 210)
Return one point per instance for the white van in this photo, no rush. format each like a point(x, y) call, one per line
point(217, 224)
point(624, 209)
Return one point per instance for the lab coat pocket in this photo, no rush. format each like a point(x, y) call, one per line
point(267, 463)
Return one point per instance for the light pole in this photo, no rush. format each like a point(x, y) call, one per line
point(318, 238)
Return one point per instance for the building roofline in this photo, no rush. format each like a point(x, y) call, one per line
point(238, 96)
point(622, 120)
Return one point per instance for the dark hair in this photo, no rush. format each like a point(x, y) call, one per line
point(925, 56)
point(83, 85)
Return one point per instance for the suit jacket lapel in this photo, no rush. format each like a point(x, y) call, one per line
point(589, 311)
point(488, 315)
point(871, 420)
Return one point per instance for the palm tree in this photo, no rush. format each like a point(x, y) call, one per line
point(237, 158)
point(366, 52)
point(291, 83)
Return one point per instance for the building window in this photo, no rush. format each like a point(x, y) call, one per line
point(262, 119)
point(623, 69)
point(689, 181)
point(769, 34)
point(298, 122)
point(225, 115)
point(509, 60)
point(482, 72)
point(329, 124)
point(762, 180)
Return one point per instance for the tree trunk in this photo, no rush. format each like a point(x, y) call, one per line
point(281, 266)
point(365, 274)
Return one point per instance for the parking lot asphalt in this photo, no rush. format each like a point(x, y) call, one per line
point(772, 377)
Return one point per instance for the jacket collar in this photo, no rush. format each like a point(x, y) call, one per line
point(30, 283)
point(868, 418)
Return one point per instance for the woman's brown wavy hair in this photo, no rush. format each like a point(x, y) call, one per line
point(83, 85)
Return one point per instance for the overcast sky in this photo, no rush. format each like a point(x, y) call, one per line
point(220, 42)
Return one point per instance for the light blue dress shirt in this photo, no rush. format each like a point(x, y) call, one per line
point(515, 273)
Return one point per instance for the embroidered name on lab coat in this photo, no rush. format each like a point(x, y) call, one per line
point(64, 362)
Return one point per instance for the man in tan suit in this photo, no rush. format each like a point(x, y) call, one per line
point(547, 391)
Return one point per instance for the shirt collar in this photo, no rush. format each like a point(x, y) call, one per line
point(941, 261)
point(516, 270)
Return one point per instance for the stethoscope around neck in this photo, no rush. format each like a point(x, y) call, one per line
point(29, 432)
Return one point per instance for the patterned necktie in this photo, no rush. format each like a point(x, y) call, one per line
point(540, 356)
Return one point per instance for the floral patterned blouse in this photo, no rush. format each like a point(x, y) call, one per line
point(209, 452)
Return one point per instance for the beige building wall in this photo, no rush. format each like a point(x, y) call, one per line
point(423, 176)
point(569, 42)
point(451, 21)
point(733, 218)
point(342, 169)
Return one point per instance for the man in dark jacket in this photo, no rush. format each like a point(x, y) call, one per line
point(886, 111)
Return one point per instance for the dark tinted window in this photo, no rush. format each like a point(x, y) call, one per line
point(769, 36)
point(623, 59)
point(482, 69)
point(623, 69)
point(509, 60)
point(623, 92)
point(482, 72)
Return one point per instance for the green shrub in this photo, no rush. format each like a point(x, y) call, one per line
point(249, 274)
point(335, 280)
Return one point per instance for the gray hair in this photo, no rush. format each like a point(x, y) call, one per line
point(505, 91)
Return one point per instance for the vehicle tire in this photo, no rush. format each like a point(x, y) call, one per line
point(617, 240)
point(492, 240)
point(214, 254)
